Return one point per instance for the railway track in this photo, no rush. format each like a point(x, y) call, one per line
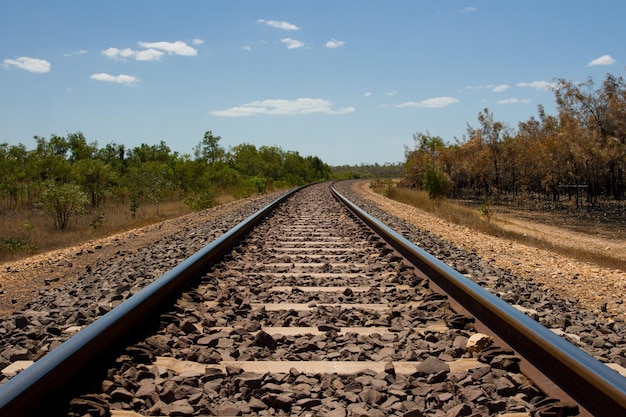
point(314, 314)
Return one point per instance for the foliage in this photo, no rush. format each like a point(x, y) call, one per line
point(578, 155)
point(485, 210)
point(148, 173)
point(249, 187)
point(435, 182)
point(62, 201)
point(367, 171)
point(202, 200)
point(97, 222)
point(14, 244)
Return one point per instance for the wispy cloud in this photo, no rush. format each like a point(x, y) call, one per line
point(431, 103)
point(538, 85)
point(298, 106)
point(78, 52)
point(176, 48)
point(293, 43)
point(197, 41)
point(495, 88)
point(153, 51)
point(603, 60)
point(334, 43)
point(278, 24)
point(468, 9)
point(28, 64)
point(118, 79)
point(513, 101)
point(500, 88)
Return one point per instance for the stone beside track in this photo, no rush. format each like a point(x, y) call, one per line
point(314, 315)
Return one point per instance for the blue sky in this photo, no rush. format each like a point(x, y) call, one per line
point(349, 81)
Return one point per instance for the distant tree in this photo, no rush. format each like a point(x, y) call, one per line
point(425, 155)
point(63, 201)
point(491, 134)
point(245, 159)
point(95, 177)
point(78, 147)
point(209, 149)
point(435, 182)
point(50, 158)
point(601, 112)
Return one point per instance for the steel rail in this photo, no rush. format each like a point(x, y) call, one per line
point(596, 387)
point(48, 384)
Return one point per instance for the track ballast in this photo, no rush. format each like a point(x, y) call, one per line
point(314, 314)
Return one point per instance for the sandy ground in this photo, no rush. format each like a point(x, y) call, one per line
point(595, 288)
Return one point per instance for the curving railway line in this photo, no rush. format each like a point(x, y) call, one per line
point(313, 307)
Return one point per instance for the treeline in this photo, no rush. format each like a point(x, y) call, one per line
point(368, 171)
point(65, 175)
point(579, 155)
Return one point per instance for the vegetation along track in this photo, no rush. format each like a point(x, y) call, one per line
point(313, 314)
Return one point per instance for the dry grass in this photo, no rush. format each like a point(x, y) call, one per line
point(25, 233)
point(485, 221)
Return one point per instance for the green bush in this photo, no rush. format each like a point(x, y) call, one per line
point(250, 186)
point(16, 244)
point(200, 201)
point(62, 201)
point(436, 182)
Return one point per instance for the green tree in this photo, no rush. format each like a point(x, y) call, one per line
point(78, 147)
point(245, 159)
point(426, 152)
point(63, 201)
point(95, 177)
point(209, 149)
point(50, 158)
point(435, 182)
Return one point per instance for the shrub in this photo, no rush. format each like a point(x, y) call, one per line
point(16, 244)
point(62, 201)
point(200, 201)
point(436, 182)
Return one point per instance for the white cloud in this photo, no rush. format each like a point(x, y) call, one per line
point(176, 48)
point(29, 64)
point(115, 53)
point(430, 103)
point(538, 85)
point(279, 25)
point(500, 88)
point(468, 9)
point(391, 93)
point(292, 43)
point(153, 51)
point(148, 55)
point(367, 94)
point(495, 88)
point(514, 101)
point(197, 41)
point(119, 79)
point(334, 43)
point(78, 52)
point(603, 60)
point(283, 107)
point(246, 48)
